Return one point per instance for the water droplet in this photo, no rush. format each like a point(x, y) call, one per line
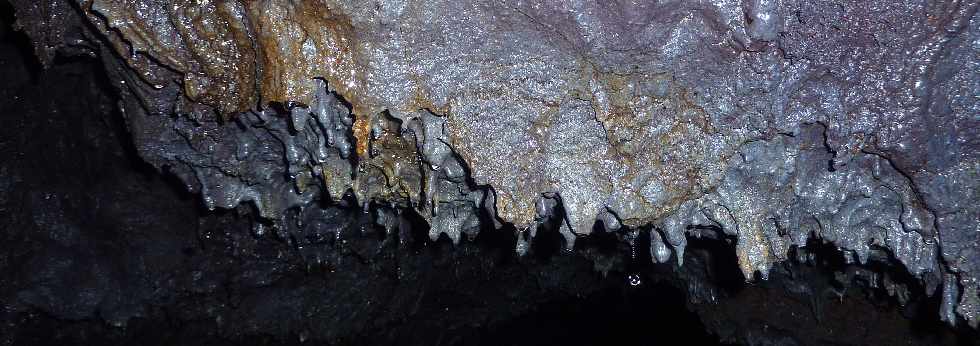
point(634, 279)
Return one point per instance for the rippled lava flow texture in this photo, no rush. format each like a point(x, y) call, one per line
point(489, 172)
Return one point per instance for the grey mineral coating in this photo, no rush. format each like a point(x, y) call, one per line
point(772, 122)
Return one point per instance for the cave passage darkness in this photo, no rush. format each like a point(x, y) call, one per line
point(98, 247)
point(75, 197)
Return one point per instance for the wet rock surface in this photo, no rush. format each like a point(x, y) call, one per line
point(293, 171)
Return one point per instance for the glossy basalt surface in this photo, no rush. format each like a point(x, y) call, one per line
point(772, 123)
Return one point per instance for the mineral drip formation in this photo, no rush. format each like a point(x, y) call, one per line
point(771, 123)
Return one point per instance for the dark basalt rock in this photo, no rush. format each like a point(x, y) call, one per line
point(456, 172)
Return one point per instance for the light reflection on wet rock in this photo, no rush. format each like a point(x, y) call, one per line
point(770, 122)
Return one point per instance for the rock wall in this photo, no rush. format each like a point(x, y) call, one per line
point(768, 122)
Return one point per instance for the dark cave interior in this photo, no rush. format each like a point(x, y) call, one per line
point(100, 248)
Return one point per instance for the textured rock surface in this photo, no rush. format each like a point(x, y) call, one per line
point(768, 122)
